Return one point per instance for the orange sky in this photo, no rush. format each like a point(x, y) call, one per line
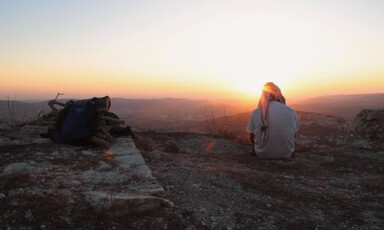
point(190, 49)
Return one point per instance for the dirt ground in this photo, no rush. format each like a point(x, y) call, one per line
point(214, 183)
point(217, 184)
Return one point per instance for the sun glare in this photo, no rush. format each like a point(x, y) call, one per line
point(251, 86)
point(247, 52)
point(254, 85)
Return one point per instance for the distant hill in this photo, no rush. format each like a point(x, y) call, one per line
point(173, 113)
point(170, 113)
point(20, 111)
point(310, 125)
point(151, 113)
point(346, 106)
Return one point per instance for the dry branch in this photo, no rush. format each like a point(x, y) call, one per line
point(113, 120)
point(101, 142)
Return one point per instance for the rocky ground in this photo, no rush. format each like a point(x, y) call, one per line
point(214, 183)
point(217, 184)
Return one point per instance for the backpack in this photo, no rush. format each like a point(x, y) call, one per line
point(76, 123)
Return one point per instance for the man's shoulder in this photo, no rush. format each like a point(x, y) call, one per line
point(291, 109)
point(287, 108)
point(255, 112)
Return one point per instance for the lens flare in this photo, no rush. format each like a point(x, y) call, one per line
point(108, 156)
point(210, 146)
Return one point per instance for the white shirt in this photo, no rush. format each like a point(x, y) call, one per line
point(279, 141)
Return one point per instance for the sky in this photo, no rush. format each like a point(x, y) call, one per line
point(190, 49)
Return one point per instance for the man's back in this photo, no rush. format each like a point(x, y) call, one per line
point(279, 140)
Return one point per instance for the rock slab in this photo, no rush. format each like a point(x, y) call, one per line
point(368, 124)
point(139, 195)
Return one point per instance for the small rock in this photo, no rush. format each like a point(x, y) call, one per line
point(5, 126)
point(29, 215)
point(171, 147)
point(88, 152)
point(268, 205)
point(372, 116)
point(190, 227)
point(33, 130)
point(18, 167)
point(66, 193)
point(363, 144)
point(159, 220)
point(289, 177)
point(2, 195)
point(158, 155)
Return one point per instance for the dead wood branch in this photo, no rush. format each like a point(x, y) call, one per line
point(113, 120)
point(100, 142)
point(11, 109)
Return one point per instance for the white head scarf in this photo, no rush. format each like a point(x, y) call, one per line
point(271, 92)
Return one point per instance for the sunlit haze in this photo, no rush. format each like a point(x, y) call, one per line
point(190, 49)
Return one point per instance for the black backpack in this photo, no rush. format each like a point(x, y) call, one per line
point(76, 123)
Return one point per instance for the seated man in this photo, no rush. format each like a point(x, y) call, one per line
point(273, 125)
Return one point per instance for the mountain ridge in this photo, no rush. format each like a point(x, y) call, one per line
point(345, 106)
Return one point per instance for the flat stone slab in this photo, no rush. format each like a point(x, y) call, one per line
point(128, 158)
point(118, 177)
point(120, 204)
point(138, 185)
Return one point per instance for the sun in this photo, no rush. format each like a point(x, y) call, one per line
point(251, 86)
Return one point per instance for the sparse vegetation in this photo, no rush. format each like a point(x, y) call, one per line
point(222, 125)
point(10, 116)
